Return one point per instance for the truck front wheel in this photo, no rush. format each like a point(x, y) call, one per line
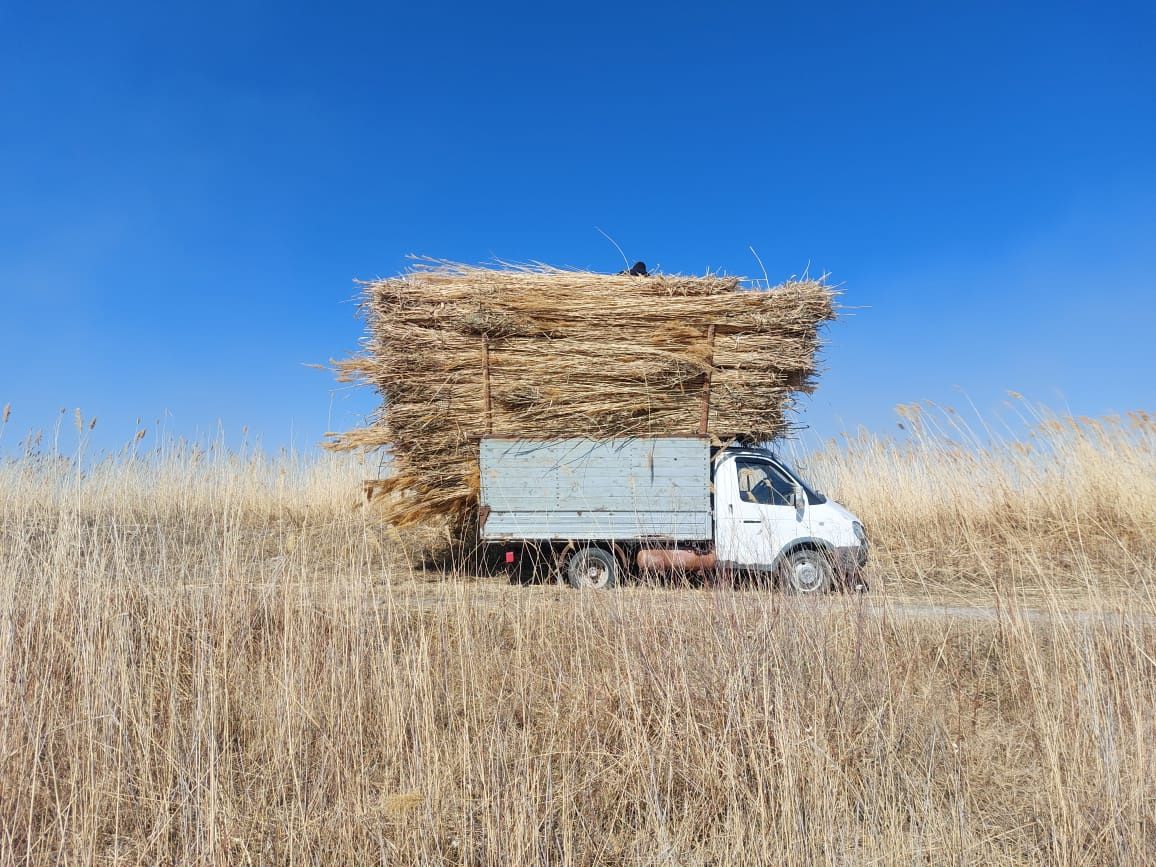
point(807, 571)
point(591, 569)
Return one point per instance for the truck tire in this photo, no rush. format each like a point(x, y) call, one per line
point(590, 568)
point(807, 571)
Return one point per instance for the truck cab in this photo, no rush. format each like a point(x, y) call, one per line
point(767, 518)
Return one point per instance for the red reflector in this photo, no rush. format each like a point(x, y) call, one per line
point(509, 556)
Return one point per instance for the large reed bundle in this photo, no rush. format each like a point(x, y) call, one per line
point(458, 351)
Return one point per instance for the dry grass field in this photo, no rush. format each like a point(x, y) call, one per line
point(213, 657)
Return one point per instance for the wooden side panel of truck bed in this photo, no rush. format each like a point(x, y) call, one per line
point(574, 489)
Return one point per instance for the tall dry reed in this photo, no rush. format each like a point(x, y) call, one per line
point(214, 657)
point(998, 503)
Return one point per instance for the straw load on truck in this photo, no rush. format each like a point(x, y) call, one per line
point(458, 352)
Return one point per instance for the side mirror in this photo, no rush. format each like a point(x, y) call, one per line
point(798, 498)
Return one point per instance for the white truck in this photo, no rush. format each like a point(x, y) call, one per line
point(599, 510)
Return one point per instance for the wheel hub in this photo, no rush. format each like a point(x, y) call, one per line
point(806, 575)
point(594, 573)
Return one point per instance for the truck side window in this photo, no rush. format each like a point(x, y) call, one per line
point(761, 483)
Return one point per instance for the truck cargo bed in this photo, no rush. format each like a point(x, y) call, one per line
point(582, 489)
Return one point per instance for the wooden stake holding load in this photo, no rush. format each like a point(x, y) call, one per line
point(704, 413)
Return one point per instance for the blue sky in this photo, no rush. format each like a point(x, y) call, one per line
point(187, 193)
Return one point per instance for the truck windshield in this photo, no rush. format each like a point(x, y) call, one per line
point(813, 496)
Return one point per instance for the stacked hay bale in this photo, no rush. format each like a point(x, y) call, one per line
point(458, 352)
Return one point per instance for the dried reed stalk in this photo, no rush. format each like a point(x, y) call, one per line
point(570, 353)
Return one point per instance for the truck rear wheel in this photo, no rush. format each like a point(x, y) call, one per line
point(590, 568)
point(807, 571)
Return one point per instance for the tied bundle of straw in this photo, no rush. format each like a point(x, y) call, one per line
point(459, 351)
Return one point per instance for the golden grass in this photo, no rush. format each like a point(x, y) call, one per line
point(965, 502)
point(212, 657)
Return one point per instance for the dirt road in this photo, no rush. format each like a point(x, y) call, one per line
point(447, 595)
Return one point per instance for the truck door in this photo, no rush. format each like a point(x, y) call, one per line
point(756, 516)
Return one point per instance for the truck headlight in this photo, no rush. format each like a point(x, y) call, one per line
point(857, 529)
